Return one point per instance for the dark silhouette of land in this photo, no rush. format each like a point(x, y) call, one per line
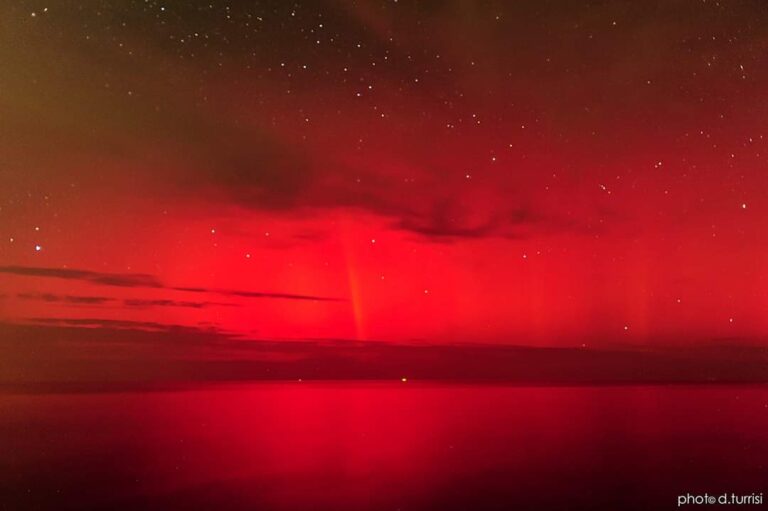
point(106, 355)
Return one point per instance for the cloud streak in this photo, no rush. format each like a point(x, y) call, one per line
point(140, 280)
point(105, 279)
point(257, 294)
point(141, 303)
point(67, 299)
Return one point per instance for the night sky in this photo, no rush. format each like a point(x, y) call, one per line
point(545, 173)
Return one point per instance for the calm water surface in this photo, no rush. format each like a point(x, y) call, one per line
point(363, 446)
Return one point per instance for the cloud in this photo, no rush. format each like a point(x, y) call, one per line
point(69, 299)
point(257, 294)
point(145, 303)
point(111, 324)
point(288, 138)
point(140, 280)
point(106, 279)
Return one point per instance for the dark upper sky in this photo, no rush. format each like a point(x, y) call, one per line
point(542, 172)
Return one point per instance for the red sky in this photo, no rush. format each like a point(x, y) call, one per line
point(552, 174)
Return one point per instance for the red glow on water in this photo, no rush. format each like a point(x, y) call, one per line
point(361, 446)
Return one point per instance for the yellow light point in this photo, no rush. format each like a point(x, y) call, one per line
point(403, 380)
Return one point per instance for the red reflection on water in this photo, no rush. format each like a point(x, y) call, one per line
point(358, 446)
